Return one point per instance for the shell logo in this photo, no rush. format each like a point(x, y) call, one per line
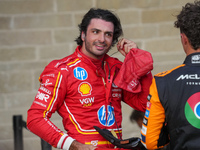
point(85, 89)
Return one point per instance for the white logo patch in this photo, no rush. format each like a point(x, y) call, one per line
point(42, 96)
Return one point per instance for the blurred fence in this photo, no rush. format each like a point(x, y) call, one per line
point(18, 126)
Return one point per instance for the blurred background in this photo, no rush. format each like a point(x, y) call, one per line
point(34, 32)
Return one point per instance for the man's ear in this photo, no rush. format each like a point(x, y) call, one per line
point(83, 36)
point(184, 38)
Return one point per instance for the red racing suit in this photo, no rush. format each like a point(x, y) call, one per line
point(84, 95)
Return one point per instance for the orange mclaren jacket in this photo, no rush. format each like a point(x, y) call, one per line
point(173, 111)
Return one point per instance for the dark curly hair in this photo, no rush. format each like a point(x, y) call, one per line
point(101, 14)
point(189, 23)
point(136, 115)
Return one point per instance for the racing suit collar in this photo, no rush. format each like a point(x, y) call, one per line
point(97, 64)
point(193, 59)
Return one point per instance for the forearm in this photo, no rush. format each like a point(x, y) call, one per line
point(46, 130)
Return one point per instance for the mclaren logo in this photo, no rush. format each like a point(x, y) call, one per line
point(188, 76)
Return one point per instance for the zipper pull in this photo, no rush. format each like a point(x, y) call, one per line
point(109, 78)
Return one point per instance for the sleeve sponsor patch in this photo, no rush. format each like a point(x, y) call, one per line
point(145, 121)
point(149, 97)
point(143, 138)
point(147, 113)
point(144, 130)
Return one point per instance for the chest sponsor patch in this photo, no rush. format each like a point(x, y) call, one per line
point(87, 101)
point(192, 110)
point(80, 73)
point(118, 95)
point(106, 119)
point(84, 89)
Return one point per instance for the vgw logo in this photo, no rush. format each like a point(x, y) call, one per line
point(102, 115)
point(80, 73)
point(192, 110)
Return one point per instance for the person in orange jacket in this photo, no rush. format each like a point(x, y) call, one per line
point(173, 112)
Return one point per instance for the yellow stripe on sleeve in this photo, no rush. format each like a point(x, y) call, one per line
point(54, 93)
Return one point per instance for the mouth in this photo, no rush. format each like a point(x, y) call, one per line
point(100, 46)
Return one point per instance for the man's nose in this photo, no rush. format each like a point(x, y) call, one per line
point(101, 37)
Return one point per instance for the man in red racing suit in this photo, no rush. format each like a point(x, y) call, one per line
point(82, 91)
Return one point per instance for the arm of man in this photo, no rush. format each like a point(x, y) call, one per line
point(49, 98)
point(154, 120)
point(135, 75)
point(138, 100)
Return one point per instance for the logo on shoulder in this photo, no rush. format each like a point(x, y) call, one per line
point(80, 73)
point(195, 59)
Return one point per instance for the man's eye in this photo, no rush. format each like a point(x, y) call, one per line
point(109, 34)
point(95, 32)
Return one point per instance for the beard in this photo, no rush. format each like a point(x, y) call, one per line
point(93, 50)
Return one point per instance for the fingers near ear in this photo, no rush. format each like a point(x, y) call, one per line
point(122, 52)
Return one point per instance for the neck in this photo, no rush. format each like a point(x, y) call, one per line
point(191, 51)
point(89, 54)
point(95, 61)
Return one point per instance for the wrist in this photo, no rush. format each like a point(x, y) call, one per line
point(65, 142)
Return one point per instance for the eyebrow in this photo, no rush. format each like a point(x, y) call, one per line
point(101, 30)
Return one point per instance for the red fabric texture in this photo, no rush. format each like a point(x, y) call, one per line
point(136, 64)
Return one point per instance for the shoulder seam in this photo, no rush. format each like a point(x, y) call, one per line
point(164, 73)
